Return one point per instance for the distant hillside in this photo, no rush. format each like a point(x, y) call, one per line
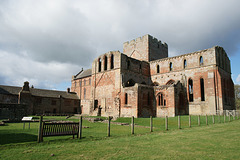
point(237, 96)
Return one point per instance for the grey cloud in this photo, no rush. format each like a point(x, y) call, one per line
point(75, 32)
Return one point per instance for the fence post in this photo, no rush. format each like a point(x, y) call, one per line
point(179, 122)
point(189, 120)
point(213, 119)
point(40, 139)
point(80, 128)
point(109, 123)
point(151, 124)
point(219, 119)
point(206, 119)
point(224, 118)
point(166, 123)
point(132, 124)
point(199, 122)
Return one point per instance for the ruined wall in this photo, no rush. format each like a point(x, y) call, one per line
point(192, 66)
point(146, 103)
point(134, 70)
point(106, 84)
point(129, 101)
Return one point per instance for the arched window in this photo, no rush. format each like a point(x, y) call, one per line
point(158, 69)
point(202, 89)
point(170, 66)
point(185, 63)
point(99, 64)
point(201, 60)
point(105, 62)
point(112, 61)
point(126, 98)
point(190, 90)
point(161, 100)
point(170, 82)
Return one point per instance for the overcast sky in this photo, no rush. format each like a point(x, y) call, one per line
point(46, 42)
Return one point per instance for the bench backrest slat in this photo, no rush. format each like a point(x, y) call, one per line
point(60, 129)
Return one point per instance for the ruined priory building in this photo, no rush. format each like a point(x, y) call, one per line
point(143, 81)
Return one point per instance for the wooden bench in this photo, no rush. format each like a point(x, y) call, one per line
point(48, 129)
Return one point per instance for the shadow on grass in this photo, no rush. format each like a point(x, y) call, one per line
point(7, 138)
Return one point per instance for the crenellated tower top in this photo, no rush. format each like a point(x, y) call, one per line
point(146, 48)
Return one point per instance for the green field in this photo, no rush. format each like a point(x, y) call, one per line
point(213, 141)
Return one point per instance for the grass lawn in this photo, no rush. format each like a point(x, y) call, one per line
point(219, 141)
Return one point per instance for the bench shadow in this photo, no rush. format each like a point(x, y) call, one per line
point(8, 138)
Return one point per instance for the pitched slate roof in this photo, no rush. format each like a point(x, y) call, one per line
point(83, 74)
point(12, 90)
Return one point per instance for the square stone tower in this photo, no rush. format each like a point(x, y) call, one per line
point(146, 48)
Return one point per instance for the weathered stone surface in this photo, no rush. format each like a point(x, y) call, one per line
point(143, 81)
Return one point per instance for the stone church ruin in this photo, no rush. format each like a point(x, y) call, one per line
point(143, 81)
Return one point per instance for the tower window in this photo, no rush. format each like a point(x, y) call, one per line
point(185, 63)
point(170, 66)
point(158, 69)
point(190, 90)
point(201, 60)
point(202, 89)
point(105, 63)
point(99, 64)
point(112, 61)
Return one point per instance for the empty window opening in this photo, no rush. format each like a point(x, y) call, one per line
point(185, 63)
point(105, 62)
point(112, 61)
point(84, 93)
point(190, 90)
point(95, 104)
point(161, 100)
point(130, 83)
point(170, 66)
point(158, 100)
point(140, 66)
point(84, 82)
point(89, 81)
point(202, 89)
point(99, 64)
point(126, 98)
point(158, 69)
point(201, 60)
